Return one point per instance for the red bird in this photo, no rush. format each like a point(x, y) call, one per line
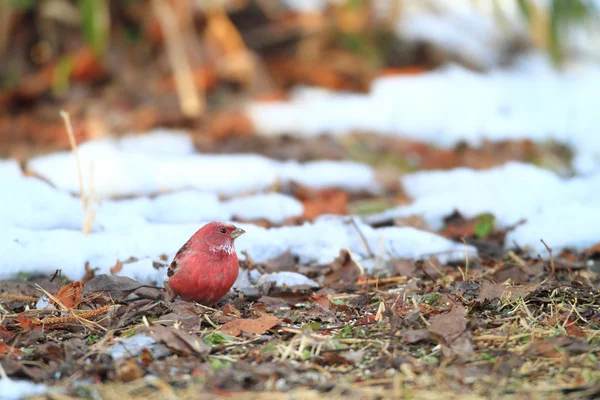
point(206, 267)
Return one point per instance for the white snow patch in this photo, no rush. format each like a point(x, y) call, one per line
point(9, 168)
point(33, 204)
point(42, 252)
point(563, 212)
point(130, 347)
point(15, 390)
point(126, 170)
point(188, 206)
point(351, 176)
point(287, 278)
point(275, 207)
point(158, 141)
point(452, 104)
point(120, 172)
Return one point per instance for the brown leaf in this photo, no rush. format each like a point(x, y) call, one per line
point(506, 364)
point(557, 347)
point(324, 201)
point(6, 349)
point(187, 315)
point(117, 286)
point(449, 326)
point(591, 251)
point(129, 371)
point(521, 291)
point(179, 341)
point(257, 326)
point(90, 273)
point(70, 294)
point(284, 262)
point(490, 291)
point(451, 329)
point(330, 357)
point(415, 335)
point(25, 322)
point(5, 335)
point(118, 267)
point(404, 267)
point(344, 271)
point(273, 303)
point(321, 300)
point(457, 226)
point(49, 352)
point(228, 124)
point(230, 309)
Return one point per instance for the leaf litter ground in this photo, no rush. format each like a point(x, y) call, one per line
point(504, 325)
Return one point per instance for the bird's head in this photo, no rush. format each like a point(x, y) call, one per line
point(219, 236)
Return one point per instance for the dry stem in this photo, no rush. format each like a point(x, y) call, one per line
point(192, 105)
point(85, 203)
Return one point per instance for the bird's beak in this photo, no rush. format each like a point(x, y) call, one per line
point(237, 233)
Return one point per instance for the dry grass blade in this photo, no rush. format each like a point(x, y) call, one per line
point(88, 215)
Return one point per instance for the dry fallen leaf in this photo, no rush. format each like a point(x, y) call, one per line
point(70, 294)
point(6, 349)
point(490, 291)
point(324, 201)
point(25, 322)
point(118, 267)
point(321, 300)
point(257, 326)
point(344, 271)
point(116, 286)
point(179, 341)
point(451, 329)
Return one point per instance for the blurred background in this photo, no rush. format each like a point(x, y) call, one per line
point(130, 66)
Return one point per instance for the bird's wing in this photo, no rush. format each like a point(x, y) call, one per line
point(175, 266)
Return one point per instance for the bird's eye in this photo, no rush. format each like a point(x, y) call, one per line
point(223, 230)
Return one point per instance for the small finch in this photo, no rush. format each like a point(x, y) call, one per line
point(206, 266)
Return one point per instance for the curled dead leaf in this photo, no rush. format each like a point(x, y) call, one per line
point(179, 341)
point(70, 294)
point(118, 267)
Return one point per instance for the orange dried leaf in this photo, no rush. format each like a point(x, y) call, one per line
point(70, 294)
point(257, 326)
point(117, 268)
point(326, 201)
point(6, 349)
point(595, 249)
point(25, 322)
point(321, 300)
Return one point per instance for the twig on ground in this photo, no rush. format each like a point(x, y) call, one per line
point(553, 268)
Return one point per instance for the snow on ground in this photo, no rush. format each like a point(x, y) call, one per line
point(43, 251)
point(34, 204)
point(40, 225)
point(119, 168)
point(15, 390)
point(452, 104)
point(134, 345)
point(287, 278)
point(563, 212)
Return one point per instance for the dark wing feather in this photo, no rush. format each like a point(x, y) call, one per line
point(174, 266)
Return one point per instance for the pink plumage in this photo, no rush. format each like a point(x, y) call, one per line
point(206, 266)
